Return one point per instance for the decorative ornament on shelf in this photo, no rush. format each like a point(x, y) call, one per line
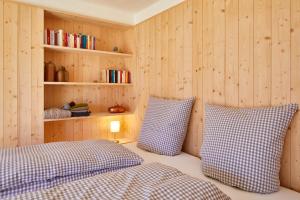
point(115, 49)
point(116, 109)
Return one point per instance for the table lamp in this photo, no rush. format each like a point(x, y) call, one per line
point(114, 129)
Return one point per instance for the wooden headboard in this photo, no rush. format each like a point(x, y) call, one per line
point(236, 52)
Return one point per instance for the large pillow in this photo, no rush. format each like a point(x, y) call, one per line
point(242, 146)
point(165, 125)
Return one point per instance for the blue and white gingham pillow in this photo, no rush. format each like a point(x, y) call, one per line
point(165, 126)
point(242, 147)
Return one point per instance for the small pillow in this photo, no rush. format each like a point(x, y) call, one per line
point(165, 126)
point(242, 147)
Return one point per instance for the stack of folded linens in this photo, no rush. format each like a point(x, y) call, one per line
point(81, 109)
point(56, 113)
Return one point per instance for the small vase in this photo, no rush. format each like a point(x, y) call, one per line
point(61, 74)
point(49, 71)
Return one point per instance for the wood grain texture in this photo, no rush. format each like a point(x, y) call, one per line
point(22, 75)
point(246, 43)
point(10, 74)
point(281, 68)
point(262, 52)
point(233, 52)
point(1, 75)
point(295, 94)
point(37, 79)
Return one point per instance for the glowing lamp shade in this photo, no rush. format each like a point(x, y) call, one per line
point(115, 126)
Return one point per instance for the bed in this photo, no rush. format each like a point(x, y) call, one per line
point(167, 172)
point(134, 182)
point(191, 165)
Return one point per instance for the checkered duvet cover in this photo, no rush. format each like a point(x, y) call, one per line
point(34, 167)
point(150, 181)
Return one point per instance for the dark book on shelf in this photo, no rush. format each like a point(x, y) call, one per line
point(116, 76)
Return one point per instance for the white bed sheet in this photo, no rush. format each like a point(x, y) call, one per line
point(191, 165)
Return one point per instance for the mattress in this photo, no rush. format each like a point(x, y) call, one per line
point(191, 165)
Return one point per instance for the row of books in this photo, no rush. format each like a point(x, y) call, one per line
point(73, 40)
point(115, 76)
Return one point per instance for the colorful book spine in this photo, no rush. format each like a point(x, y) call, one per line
point(79, 40)
point(52, 37)
point(60, 36)
point(93, 44)
point(75, 40)
point(123, 76)
point(72, 40)
point(107, 76)
point(88, 42)
point(66, 40)
point(83, 41)
point(115, 76)
point(112, 76)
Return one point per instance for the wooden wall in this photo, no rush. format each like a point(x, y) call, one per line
point(21, 75)
point(230, 52)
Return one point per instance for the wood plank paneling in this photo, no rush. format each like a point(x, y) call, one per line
point(196, 123)
point(246, 76)
point(22, 75)
point(1, 76)
point(232, 53)
point(262, 52)
point(171, 78)
point(295, 94)
point(10, 74)
point(37, 79)
point(244, 53)
point(187, 49)
point(281, 69)
point(178, 72)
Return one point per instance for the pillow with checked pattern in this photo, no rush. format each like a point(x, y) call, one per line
point(242, 147)
point(165, 125)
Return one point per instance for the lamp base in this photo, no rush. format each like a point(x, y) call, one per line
point(117, 141)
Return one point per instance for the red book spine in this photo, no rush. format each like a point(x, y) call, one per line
point(65, 39)
point(129, 78)
point(75, 40)
point(48, 36)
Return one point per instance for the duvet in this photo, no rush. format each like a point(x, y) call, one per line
point(24, 169)
point(151, 181)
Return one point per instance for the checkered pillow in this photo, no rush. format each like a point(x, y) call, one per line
point(242, 147)
point(165, 126)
